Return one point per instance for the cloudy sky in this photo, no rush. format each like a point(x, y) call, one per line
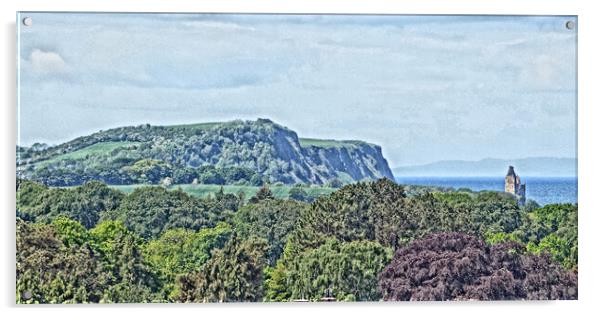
point(425, 88)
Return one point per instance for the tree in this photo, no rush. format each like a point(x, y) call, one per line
point(149, 170)
point(363, 211)
point(211, 175)
point(226, 201)
point(65, 263)
point(562, 250)
point(456, 266)
point(275, 284)
point(121, 250)
point(272, 220)
point(150, 211)
point(264, 193)
point(233, 274)
point(348, 271)
point(184, 175)
point(50, 271)
point(84, 204)
point(480, 213)
point(297, 193)
point(553, 229)
point(495, 212)
point(71, 232)
point(256, 180)
point(28, 194)
point(181, 251)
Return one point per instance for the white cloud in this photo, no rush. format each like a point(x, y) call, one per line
point(47, 62)
point(542, 72)
point(545, 69)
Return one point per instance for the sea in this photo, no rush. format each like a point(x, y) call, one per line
point(548, 190)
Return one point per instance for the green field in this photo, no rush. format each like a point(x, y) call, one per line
point(92, 150)
point(202, 190)
point(326, 143)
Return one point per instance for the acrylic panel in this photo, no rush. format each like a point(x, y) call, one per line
point(205, 158)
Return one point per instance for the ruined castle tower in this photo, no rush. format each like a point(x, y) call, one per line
point(514, 186)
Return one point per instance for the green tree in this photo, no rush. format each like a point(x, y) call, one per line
point(227, 201)
point(562, 250)
point(264, 193)
point(233, 274)
point(50, 271)
point(85, 203)
point(362, 211)
point(149, 170)
point(181, 251)
point(70, 232)
point(184, 175)
point(349, 271)
point(28, 195)
point(272, 220)
point(297, 193)
point(482, 213)
point(131, 277)
point(501, 237)
point(552, 229)
point(275, 284)
point(150, 211)
point(561, 240)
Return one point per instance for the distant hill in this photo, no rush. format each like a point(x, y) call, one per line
point(526, 167)
point(236, 152)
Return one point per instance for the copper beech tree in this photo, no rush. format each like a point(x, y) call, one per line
point(457, 266)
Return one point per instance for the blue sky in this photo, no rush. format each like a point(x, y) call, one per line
point(425, 88)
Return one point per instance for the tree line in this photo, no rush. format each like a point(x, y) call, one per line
point(364, 242)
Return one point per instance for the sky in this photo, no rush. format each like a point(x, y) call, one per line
point(424, 88)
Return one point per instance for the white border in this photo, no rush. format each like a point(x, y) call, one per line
point(589, 147)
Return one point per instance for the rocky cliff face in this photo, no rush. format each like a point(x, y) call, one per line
point(319, 161)
point(273, 151)
point(357, 161)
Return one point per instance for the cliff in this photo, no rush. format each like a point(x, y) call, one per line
point(147, 153)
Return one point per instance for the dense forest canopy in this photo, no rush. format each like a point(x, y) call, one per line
point(364, 242)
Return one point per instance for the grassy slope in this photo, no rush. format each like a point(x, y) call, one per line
point(326, 143)
point(98, 148)
point(202, 190)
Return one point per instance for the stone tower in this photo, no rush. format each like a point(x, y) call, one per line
point(514, 186)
